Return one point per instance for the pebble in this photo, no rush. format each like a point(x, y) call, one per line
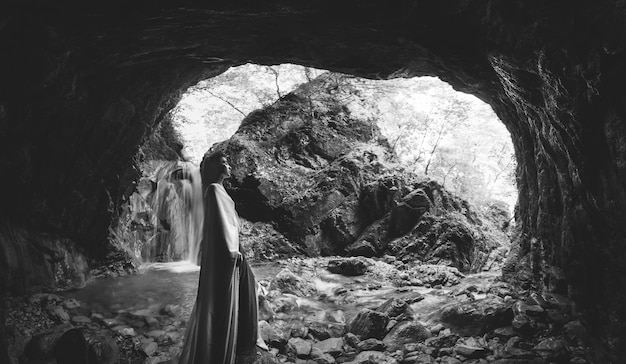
point(300, 346)
point(149, 348)
point(71, 304)
point(81, 319)
point(58, 313)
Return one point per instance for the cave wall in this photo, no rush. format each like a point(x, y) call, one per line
point(82, 86)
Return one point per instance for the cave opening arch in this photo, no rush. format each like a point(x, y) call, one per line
point(82, 88)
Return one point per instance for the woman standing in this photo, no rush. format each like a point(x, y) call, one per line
point(224, 318)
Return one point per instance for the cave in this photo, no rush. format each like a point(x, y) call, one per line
point(83, 85)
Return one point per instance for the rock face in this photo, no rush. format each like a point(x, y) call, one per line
point(82, 87)
point(31, 261)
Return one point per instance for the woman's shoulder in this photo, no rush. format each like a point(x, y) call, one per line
point(215, 187)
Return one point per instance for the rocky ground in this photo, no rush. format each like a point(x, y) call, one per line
point(328, 310)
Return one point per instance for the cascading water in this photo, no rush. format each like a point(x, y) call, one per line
point(178, 213)
point(164, 218)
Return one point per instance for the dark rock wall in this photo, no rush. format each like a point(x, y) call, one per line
point(81, 87)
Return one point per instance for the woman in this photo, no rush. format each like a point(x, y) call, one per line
point(224, 318)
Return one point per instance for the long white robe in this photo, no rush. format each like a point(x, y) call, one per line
point(224, 318)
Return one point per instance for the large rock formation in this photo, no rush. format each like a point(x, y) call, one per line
point(83, 84)
point(330, 183)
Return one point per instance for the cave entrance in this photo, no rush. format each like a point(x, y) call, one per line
point(430, 131)
point(436, 132)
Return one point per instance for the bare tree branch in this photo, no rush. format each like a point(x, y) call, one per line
point(226, 101)
point(276, 74)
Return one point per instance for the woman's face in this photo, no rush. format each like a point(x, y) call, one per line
point(225, 167)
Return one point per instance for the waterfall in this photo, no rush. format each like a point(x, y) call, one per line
point(178, 213)
point(162, 220)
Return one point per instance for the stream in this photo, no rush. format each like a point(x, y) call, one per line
point(157, 285)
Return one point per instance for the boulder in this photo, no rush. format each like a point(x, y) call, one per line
point(371, 344)
point(41, 346)
point(332, 346)
point(442, 341)
point(406, 332)
point(369, 324)
point(58, 313)
point(406, 214)
point(272, 336)
point(85, 345)
point(348, 266)
point(552, 349)
point(396, 309)
point(287, 282)
point(302, 348)
point(478, 317)
point(471, 352)
point(372, 357)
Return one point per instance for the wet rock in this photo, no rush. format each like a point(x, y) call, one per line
point(521, 308)
point(558, 301)
point(449, 360)
point(84, 345)
point(44, 299)
point(321, 358)
point(418, 358)
point(524, 325)
point(414, 297)
point(371, 344)
point(372, 357)
point(406, 332)
point(557, 317)
point(332, 346)
point(442, 341)
point(71, 304)
point(478, 317)
point(406, 214)
point(170, 310)
point(58, 313)
point(152, 322)
point(363, 248)
point(111, 322)
point(351, 339)
point(79, 320)
point(437, 274)
point(41, 346)
point(577, 332)
point(355, 266)
point(517, 353)
point(149, 347)
point(471, 352)
point(271, 335)
point(435, 330)
point(319, 330)
point(287, 282)
point(301, 347)
point(552, 349)
point(369, 324)
point(396, 309)
point(155, 334)
point(124, 330)
point(336, 316)
point(266, 312)
point(285, 305)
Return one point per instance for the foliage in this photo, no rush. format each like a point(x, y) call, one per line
point(211, 111)
point(439, 134)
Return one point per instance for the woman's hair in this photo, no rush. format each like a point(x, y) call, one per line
point(210, 167)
